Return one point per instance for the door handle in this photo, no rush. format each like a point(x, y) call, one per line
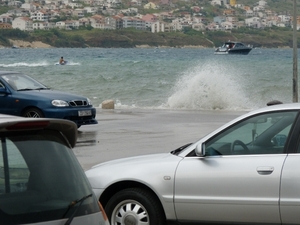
point(265, 170)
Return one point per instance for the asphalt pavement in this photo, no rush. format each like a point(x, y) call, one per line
point(129, 132)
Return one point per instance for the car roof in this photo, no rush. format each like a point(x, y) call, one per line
point(8, 72)
point(10, 123)
point(271, 108)
point(278, 107)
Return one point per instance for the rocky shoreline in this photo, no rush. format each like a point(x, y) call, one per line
point(26, 44)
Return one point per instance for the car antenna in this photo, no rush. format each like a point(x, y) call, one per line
point(274, 102)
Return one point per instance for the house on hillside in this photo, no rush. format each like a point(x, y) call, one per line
point(14, 3)
point(71, 24)
point(150, 5)
point(28, 6)
point(40, 15)
point(254, 22)
point(18, 12)
point(43, 25)
point(220, 2)
point(92, 10)
point(229, 12)
point(285, 19)
point(226, 25)
point(74, 5)
point(79, 13)
point(135, 2)
point(157, 27)
point(133, 22)
point(149, 20)
point(5, 26)
point(109, 23)
point(213, 26)
point(198, 26)
point(119, 22)
point(22, 23)
point(219, 19)
point(97, 21)
point(5, 18)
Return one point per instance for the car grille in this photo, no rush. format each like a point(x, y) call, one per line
point(76, 103)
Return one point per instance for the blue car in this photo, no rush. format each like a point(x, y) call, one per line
point(21, 95)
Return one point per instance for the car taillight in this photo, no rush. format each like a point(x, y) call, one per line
point(102, 211)
point(28, 125)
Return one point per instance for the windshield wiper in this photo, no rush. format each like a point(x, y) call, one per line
point(72, 204)
point(178, 150)
point(42, 88)
point(25, 89)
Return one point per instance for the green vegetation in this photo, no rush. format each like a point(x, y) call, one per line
point(128, 38)
point(4, 9)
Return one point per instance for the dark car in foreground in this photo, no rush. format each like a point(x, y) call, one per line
point(246, 172)
point(21, 95)
point(41, 181)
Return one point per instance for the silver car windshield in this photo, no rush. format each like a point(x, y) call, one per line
point(22, 82)
point(40, 178)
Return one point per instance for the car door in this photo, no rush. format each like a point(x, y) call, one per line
point(290, 182)
point(7, 101)
point(238, 179)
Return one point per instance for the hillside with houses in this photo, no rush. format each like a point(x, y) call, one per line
point(159, 16)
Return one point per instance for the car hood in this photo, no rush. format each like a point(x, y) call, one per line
point(51, 94)
point(147, 169)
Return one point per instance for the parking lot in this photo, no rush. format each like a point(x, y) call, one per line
point(129, 132)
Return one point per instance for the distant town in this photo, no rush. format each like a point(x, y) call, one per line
point(160, 16)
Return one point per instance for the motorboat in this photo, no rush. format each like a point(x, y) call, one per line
point(232, 47)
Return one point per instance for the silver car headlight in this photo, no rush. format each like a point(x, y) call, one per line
point(59, 103)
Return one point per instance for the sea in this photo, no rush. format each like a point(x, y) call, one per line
point(161, 78)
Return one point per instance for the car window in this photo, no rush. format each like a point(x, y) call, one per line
point(17, 169)
point(39, 178)
point(20, 82)
point(261, 134)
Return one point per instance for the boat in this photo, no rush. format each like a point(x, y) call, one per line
point(232, 47)
point(62, 64)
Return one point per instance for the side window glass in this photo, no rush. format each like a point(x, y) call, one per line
point(14, 173)
point(261, 134)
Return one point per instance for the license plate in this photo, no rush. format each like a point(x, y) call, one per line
point(85, 113)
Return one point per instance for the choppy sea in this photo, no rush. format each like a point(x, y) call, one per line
point(161, 78)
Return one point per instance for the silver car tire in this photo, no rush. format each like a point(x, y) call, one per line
point(33, 112)
point(134, 206)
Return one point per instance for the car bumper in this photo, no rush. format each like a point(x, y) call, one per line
point(73, 114)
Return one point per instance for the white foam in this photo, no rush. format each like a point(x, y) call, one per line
point(210, 86)
point(24, 64)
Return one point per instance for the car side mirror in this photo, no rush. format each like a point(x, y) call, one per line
point(200, 149)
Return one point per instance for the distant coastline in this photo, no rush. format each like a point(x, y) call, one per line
point(39, 44)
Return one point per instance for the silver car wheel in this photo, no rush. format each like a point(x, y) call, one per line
point(130, 212)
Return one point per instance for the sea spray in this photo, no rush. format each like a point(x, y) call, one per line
point(212, 86)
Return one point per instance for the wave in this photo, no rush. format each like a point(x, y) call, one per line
point(35, 64)
point(24, 64)
point(208, 86)
point(212, 86)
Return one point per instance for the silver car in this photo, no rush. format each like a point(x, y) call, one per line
point(246, 172)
